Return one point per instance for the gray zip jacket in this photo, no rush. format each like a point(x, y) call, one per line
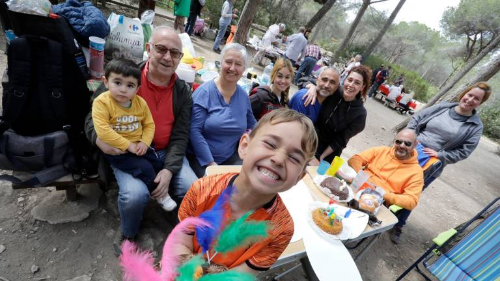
point(464, 142)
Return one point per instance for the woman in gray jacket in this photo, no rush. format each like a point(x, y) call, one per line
point(449, 131)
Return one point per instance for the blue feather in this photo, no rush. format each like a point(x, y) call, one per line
point(214, 216)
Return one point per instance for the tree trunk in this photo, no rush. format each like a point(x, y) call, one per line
point(320, 14)
point(382, 32)
point(484, 74)
point(454, 80)
point(245, 22)
point(352, 28)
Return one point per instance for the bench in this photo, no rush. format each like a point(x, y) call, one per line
point(66, 183)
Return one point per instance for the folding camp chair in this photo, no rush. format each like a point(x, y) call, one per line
point(475, 256)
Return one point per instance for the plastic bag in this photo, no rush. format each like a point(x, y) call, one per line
point(147, 24)
point(33, 7)
point(126, 39)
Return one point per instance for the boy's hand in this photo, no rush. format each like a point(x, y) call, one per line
point(132, 148)
point(141, 148)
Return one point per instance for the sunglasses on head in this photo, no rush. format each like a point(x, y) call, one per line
point(407, 143)
point(162, 50)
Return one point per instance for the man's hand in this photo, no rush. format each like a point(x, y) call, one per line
point(132, 148)
point(141, 148)
point(310, 96)
point(163, 180)
point(430, 152)
point(108, 149)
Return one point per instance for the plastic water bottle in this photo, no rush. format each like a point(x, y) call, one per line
point(266, 76)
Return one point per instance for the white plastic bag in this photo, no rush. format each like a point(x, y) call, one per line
point(33, 7)
point(125, 40)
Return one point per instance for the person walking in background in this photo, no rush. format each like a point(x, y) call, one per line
point(224, 22)
point(181, 11)
point(194, 12)
point(297, 44)
point(382, 75)
point(311, 56)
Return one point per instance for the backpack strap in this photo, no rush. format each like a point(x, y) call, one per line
point(39, 179)
point(54, 79)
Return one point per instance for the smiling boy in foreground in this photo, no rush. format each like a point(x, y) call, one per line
point(275, 155)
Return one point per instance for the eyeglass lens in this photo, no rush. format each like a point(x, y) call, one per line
point(164, 50)
point(407, 143)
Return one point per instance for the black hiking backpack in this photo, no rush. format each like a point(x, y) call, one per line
point(45, 101)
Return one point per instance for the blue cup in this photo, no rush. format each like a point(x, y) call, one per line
point(323, 167)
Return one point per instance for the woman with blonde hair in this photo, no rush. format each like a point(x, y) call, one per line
point(265, 99)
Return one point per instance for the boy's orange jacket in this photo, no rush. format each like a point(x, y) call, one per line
point(402, 180)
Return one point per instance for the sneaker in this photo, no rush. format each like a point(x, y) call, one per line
point(167, 203)
point(118, 241)
point(216, 50)
point(396, 234)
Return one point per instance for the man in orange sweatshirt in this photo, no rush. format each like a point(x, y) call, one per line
point(396, 170)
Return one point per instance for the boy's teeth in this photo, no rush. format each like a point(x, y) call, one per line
point(268, 173)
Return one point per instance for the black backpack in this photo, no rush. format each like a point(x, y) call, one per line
point(45, 101)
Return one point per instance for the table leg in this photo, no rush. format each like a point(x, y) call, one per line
point(368, 246)
point(71, 194)
point(306, 265)
point(277, 277)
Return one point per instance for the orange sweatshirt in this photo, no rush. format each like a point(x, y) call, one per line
point(402, 180)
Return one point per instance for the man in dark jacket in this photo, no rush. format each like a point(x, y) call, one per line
point(194, 12)
point(170, 102)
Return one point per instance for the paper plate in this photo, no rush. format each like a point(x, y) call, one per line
point(317, 181)
point(353, 226)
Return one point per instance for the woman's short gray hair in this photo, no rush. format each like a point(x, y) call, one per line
point(236, 47)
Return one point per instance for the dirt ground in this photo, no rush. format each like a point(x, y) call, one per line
point(83, 250)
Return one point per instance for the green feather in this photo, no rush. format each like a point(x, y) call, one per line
point(229, 276)
point(241, 233)
point(188, 269)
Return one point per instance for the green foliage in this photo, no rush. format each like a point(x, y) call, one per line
point(490, 116)
point(413, 82)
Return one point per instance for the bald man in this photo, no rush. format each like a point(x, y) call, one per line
point(396, 170)
point(170, 102)
point(327, 83)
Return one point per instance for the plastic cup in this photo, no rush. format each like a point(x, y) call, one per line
point(336, 164)
point(323, 166)
point(360, 179)
point(96, 64)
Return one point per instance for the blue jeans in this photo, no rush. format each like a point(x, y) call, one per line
point(404, 214)
point(373, 89)
point(133, 194)
point(222, 31)
point(305, 69)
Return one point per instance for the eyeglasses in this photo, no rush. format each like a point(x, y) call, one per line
point(407, 143)
point(162, 50)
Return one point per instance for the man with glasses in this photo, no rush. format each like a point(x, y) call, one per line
point(396, 170)
point(170, 102)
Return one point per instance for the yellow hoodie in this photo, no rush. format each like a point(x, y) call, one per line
point(402, 180)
